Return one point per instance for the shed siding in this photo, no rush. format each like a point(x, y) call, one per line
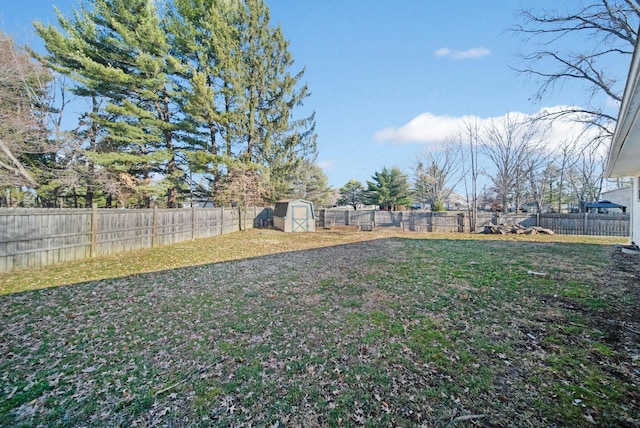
point(278, 223)
point(294, 216)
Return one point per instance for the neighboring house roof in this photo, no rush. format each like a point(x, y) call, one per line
point(624, 153)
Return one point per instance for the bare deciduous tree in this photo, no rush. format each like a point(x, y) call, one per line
point(585, 175)
point(537, 177)
point(23, 93)
point(469, 149)
point(513, 145)
point(242, 186)
point(576, 45)
point(436, 174)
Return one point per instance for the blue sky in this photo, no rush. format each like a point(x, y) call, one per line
point(387, 77)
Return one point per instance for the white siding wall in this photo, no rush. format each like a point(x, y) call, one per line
point(623, 196)
point(635, 211)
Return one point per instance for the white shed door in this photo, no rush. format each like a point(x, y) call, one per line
point(299, 218)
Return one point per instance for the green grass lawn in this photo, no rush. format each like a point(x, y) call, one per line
point(264, 328)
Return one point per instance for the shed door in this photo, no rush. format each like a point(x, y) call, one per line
point(300, 218)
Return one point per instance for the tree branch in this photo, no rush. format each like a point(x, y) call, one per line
point(19, 168)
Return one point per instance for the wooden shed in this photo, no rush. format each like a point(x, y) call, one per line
point(294, 215)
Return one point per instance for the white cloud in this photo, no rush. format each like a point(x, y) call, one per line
point(442, 52)
point(428, 128)
point(478, 52)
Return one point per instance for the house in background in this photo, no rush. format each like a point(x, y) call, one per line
point(620, 196)
point(624, 153)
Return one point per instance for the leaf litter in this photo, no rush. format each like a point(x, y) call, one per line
point(394, 331)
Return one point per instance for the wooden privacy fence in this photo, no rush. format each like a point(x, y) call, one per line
point(416, 221)
point(446, 222)
point(617, 224)
point(587, 223)
point(31, 238)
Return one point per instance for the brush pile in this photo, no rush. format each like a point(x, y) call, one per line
point(505, 229)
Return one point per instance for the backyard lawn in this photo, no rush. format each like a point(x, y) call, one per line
point(262, 328)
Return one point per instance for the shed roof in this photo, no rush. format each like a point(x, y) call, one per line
point(282, 206)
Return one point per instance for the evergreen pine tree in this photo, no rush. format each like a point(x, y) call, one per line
point(273, 137)
point(389, 189)
point(118, 51)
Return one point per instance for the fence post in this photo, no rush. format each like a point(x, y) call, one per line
point(538, 219)
point(94, 229)
point(584, 224)
point(154, 228)
point(221, 220)
point(461, 222)
point(193, 223)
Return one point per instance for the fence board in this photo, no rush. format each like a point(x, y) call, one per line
point(31, 238)
point(447, 222)
point(39, 237)
point(587, 224)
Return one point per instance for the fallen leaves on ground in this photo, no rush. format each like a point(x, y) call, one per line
point(395, 331)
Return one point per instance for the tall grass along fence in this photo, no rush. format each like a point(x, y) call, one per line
point(446, 222)
point(31, 238)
